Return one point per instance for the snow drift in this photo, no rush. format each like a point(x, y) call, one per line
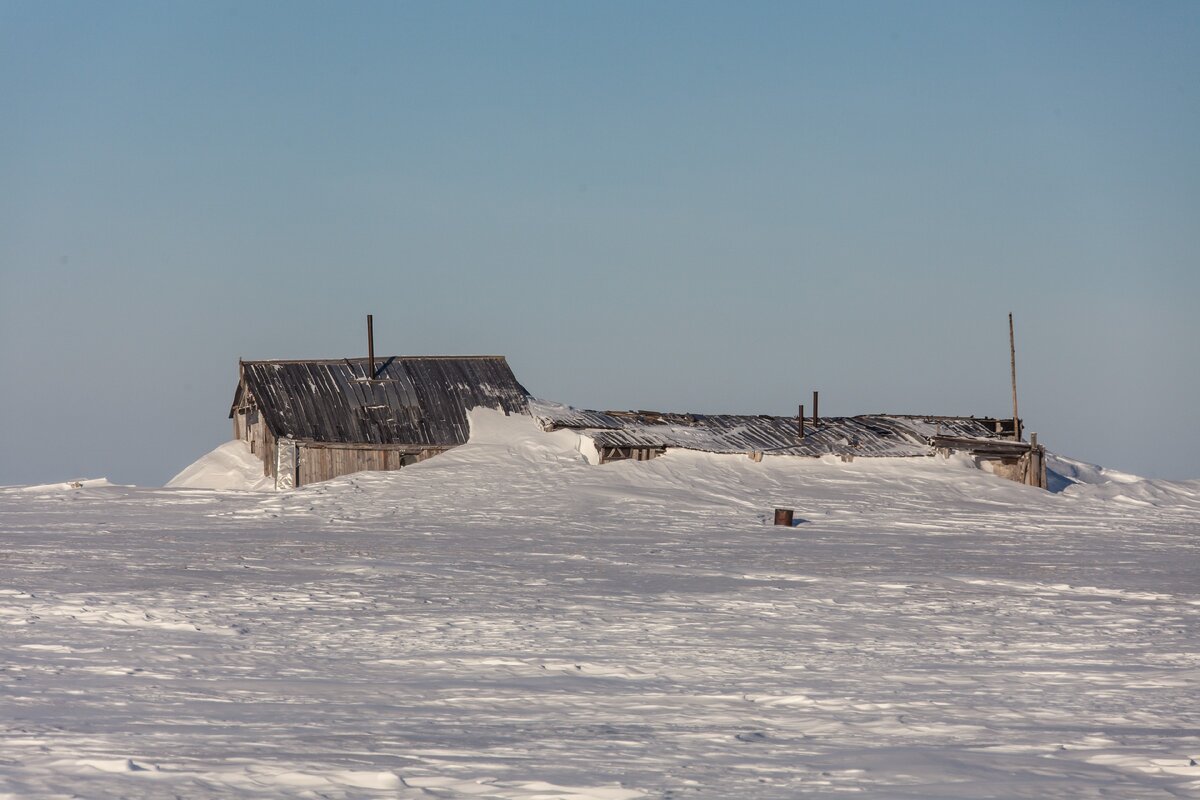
point(230, 466)
point(508, 621)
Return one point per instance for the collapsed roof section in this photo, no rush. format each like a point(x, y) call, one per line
point(866, 435)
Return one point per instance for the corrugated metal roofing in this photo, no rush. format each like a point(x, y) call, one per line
point(867, 435)
point(419, 401)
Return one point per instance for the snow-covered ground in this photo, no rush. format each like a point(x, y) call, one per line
point(507, 621)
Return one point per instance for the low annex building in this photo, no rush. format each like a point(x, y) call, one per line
point(642, 435)
point(311, 421)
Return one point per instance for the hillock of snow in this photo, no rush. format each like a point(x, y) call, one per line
point(230, 466)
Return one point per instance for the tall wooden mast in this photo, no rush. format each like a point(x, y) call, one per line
point(1012, 358)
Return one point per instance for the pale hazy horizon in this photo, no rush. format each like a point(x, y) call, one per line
point(679, 206)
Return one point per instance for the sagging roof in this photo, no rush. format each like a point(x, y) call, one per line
point(420, 401)
point(866, 435)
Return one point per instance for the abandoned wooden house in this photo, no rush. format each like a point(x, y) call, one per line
point(311, 421)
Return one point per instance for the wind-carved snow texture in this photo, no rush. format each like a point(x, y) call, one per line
point(507, 621)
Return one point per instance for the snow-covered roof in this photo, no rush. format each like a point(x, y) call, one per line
point(865, 435)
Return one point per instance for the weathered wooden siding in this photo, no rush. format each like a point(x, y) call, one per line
point(344, 420)
point(321, 462)
point(250, 426)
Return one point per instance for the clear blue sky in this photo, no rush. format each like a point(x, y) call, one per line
point(688, 206)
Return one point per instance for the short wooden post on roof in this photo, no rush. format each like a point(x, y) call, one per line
point(371, 346)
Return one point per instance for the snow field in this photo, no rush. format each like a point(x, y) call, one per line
point(508, 621)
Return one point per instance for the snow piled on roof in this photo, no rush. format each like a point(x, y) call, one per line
point(508, 621)
point(871, 435)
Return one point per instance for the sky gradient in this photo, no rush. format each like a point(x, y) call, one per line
point(682, 206)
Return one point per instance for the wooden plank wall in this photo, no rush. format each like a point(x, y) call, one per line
point(250, 427)
point(1029, 468)
point(321, 462)
point(608, 454)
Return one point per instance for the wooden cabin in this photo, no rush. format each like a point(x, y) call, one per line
point(311, 421)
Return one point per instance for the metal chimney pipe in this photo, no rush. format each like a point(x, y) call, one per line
point(371, 345)
point(800, 422)
point(816, 416)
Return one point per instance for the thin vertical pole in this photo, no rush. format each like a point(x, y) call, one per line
point(816, 416)
point(800, 421)
point(1012, 356)
point(371, 344)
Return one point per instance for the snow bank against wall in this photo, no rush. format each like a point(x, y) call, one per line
point(230, 466)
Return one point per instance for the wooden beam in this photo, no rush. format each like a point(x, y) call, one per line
point(1012, 356)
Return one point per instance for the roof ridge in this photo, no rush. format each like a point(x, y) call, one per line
point(378, 358)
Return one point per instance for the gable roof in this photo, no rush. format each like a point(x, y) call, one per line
point(411, 400)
